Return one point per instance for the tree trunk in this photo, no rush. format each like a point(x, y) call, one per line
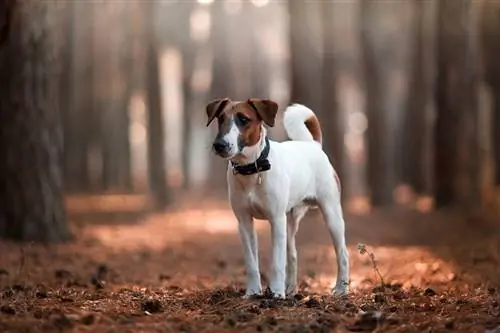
point(304, 60)
point(188, 49)
point(416, 154)
point(220, 87)
point(259, 73)
point(114, 93)
point(490, 48)
point(31, 204)
point(496, 136)
point(330, 114)
point(456, 147)
point(156, 136)
point(381, 167)
point(66, 101)
point(78, 115)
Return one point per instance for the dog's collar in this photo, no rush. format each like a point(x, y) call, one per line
point(261, 164)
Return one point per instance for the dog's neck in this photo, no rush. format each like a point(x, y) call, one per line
point(250, 154)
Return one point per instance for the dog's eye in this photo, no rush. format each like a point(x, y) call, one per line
point(220, 120)
point(242, 119)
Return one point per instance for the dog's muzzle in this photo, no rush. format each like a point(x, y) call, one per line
point(221, 146)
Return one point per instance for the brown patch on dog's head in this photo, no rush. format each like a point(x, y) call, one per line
point(265, 108)
point(215, 108)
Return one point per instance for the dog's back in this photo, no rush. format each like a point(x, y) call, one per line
point(305, 160)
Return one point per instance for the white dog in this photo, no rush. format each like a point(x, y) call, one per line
point(279, 182)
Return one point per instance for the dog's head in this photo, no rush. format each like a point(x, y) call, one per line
point(239, 123)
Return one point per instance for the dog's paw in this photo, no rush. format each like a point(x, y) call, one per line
point(278, 295)
point(341, 289)
point(251, 293)
point(291, 291)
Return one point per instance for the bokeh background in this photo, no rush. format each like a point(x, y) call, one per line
point(405, 91)
point(103, 144)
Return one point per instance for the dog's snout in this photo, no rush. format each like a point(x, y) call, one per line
point(220, 145)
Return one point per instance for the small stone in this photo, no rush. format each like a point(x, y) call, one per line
point(7, 309)
point(88, 319)
point(379, 298)
point(231, 322)
point(429, 292)
point(271, 320)
point(312, 303)
point(62, 274)
point(152, 306)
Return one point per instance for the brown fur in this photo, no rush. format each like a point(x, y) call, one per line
point(314, 128)
point(250, 133)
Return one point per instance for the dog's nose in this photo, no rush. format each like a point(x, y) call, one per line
point(220, 146)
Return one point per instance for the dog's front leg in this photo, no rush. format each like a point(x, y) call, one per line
point(250, 248)
point(278, 230)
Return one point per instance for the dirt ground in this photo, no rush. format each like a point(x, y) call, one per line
point(183, 271)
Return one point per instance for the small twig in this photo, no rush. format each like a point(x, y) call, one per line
point(22, 261)
point(362, 250)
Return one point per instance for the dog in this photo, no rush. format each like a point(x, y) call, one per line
point(278, 182)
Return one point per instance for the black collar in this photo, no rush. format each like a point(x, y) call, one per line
point(261, 164)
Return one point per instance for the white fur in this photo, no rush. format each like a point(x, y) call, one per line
point(293, 120)
point(300, 171)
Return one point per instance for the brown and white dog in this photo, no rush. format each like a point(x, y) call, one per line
point(279, 182)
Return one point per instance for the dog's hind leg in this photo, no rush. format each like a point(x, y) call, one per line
point(250, 247)
point(332, 213)
point(293, 221)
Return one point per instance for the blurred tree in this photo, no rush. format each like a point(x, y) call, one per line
point(221, 86)
point(490, 37)
point(31, 204)
point(253, 18)
point(77, 92)
point(114, 78)
point(156, 136)
point(305, 62)
point(330, 114)
point(383, 26)
point(416, 155)
point(456, 141)
point(188, 48)
point(65, 91)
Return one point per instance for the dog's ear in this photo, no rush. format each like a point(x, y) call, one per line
point(215, 107)
point(265, 108)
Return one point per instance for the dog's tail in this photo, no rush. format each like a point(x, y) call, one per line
point(301, 124)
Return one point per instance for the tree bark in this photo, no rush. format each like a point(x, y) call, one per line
point(416, 155)
point(330, 114)
point(188, 48)
point(381, 166)
point(220, 87)
point(78, 115)
point(304, 61)
point(31, 203)
point(490, 25)
point(456, 143)
point(156, 136)
point(115, 83)
point(496, 135)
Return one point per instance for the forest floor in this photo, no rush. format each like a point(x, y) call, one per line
point(183, 271)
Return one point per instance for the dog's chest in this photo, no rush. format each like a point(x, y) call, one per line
point(257, 205)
